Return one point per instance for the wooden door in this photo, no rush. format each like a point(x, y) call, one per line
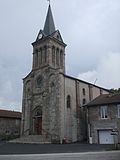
point(38, 125)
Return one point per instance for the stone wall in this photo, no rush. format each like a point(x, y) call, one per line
point(95, 123)
point(9, 128)
point(70, 112)
point(46, 98)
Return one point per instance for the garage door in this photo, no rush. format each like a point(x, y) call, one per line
point(105, 137)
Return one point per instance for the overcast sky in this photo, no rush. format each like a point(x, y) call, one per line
point(90, 28)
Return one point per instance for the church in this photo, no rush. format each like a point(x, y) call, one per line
point(53, 102)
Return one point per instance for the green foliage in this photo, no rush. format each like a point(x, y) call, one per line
point(115, 90)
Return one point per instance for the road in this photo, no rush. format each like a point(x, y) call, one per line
point(10, 148)
point(106, 155)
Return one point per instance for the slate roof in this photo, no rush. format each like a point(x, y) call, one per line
point(10, 114)
point(105, 99)
point(49, 26)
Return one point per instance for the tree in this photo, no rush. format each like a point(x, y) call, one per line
point(115, 90)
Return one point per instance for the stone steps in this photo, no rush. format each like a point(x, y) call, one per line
point(32, 139)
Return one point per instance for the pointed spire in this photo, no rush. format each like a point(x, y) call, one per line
point(49, 26)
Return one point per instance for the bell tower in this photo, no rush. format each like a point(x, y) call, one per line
point(49, 48)
point(43, 87)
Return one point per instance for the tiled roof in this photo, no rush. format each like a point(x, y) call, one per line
point(10, 114)
point(105, 99)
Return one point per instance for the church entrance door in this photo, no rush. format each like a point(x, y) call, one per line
point(38, 125)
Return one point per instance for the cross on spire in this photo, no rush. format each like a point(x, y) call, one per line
point(48, 1)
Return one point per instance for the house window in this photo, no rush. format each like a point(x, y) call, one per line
point(7, 132)
point(68, 101)
point(104, 112)
point(84, 91)
point(16, 132)
point(118, 106)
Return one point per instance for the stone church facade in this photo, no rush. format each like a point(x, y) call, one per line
point(53, 102)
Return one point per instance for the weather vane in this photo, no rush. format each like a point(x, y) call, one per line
point(48, 1)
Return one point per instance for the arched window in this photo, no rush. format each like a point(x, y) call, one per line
point(57, 57)
point(45, 54)
point(68, 101)
point(84, 101)
point(36, 58)
point(38, 113)
point(84, 91)
point(53, 55)
point(61, 58)
point(40, 55)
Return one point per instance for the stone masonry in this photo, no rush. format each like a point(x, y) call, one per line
point(53, 103)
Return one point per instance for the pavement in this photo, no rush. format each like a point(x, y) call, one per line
point(106, 155)
point(14, 148)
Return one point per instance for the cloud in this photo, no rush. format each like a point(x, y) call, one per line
point(10, 87)
point(90, 28)
point(89, 76)
point(107, 72)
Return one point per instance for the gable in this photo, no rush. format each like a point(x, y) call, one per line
point(40, 35)
point(57, 36)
